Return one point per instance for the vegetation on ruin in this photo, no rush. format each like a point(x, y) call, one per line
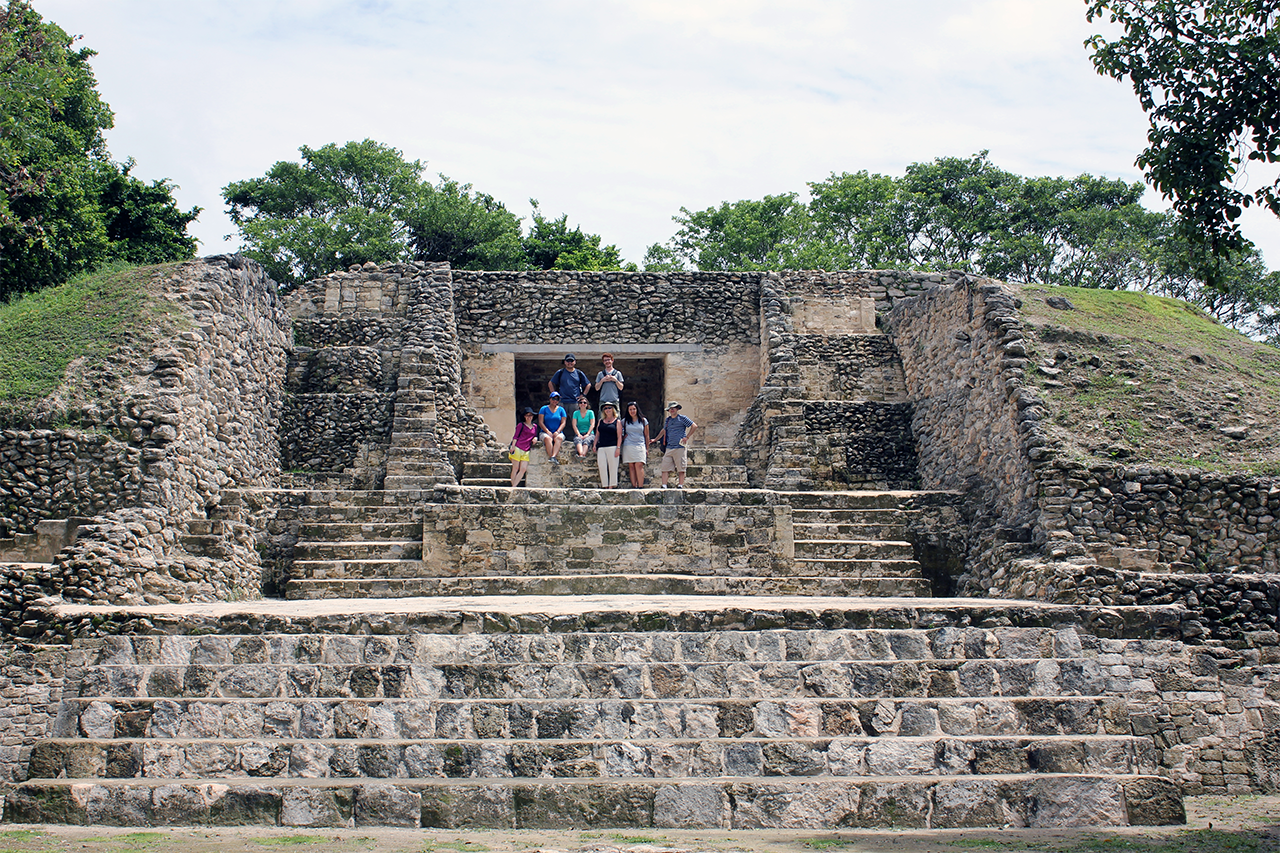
point(65, 206)
point(363, 202)
point(1204, 72)
point(966, 213)
point(1138, 378)
point(85, 320)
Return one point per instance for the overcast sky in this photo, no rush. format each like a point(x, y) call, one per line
point(616, 112)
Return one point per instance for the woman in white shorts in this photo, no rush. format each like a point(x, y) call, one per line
point(635, 443)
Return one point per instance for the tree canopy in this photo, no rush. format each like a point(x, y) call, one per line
point(1207, 73)
point(64, 205)
point(364, 202)
point(966, 213)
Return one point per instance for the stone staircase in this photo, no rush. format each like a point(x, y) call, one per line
point(482, 540)
point(709, 467)
point(735, 718)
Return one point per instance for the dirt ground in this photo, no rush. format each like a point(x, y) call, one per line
point(1214, 824)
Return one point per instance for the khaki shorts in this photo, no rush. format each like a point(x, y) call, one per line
point(675, 459)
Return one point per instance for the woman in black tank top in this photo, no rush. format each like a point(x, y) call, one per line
point(608, 451)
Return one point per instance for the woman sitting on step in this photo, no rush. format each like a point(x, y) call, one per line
point(584, 427)
point(521, 444)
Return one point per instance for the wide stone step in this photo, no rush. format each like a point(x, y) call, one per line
point(347, 531)
point(629, 680)
point(422, 482)
point(841, 567)
point(486, 758)
point(854, 549)
point(891, 530)
point(612, 584)
point(929, 802)
point(356, 515)
point(828, 501)
point(379, 718)
point(413, 453)
point(764, 645)
point(403, 549)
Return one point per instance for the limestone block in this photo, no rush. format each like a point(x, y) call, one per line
point(781, 806)
point(691, 807)
point(387, 805)
point(315, 807)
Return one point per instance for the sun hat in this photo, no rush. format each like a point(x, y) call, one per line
point(674, 405)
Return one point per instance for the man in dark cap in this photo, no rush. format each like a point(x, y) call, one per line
point(569, 382)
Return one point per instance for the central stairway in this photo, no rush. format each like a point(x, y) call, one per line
point(485, 540)
point(801, 714)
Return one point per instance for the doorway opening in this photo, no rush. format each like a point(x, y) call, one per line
point(644, 381)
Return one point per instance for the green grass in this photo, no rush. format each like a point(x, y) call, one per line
point(291, 840)
point(1168, 323)
point(826, 843)
point(1193, 841)
point(42, 332)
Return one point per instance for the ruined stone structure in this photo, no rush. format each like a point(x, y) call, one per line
point(883, 601)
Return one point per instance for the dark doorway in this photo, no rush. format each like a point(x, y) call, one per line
point(644, 380)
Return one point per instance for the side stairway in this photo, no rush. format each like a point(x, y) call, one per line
point(483, 540)
point(720, 716)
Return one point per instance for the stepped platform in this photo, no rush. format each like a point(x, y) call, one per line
point(622, 711)
point(496, 540)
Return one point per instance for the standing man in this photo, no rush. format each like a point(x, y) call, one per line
point(609, 383)
point(676, 429)
point(569, 382)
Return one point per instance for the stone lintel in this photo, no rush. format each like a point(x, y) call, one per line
point(590, 351)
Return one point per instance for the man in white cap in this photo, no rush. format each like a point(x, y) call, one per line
point(676, 429)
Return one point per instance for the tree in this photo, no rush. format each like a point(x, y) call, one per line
point(338, 207)
point(364, 202)
point(472, 231)
point(1207, 73)
point(64, 206)
point(552, 245)
point(742, 235)
point(144, 224)
point(968, 214)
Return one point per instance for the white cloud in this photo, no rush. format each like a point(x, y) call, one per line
point(617, 112)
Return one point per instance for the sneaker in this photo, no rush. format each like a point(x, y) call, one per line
point(663, 486)
point(555, 461)
point(679, 485)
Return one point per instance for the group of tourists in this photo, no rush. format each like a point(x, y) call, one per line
point(617, 438)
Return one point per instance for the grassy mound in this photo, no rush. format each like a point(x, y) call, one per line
point(1137, 378)
point(65, 347)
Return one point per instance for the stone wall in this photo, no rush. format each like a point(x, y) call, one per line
point(563, 309)
point(976, 424)
point(725, 533)
point(1185, 520)
point(201, 419)
point(849, 367)
point(864, 445)
point(60, 473)
point(31, 682)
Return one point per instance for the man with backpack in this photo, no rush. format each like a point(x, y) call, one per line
point(569, 382)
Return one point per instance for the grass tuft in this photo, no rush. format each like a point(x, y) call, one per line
point(43, 332)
